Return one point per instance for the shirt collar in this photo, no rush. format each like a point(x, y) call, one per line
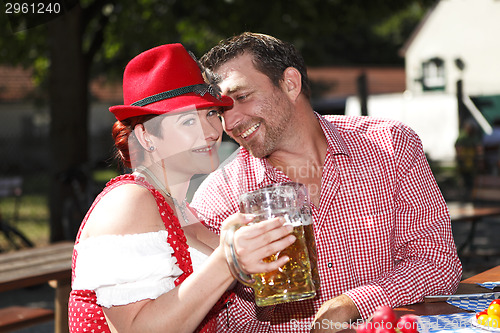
point(336, 145)
point(275, 175)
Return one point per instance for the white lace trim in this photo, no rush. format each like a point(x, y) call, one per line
point(198, 259)
point(123, 269)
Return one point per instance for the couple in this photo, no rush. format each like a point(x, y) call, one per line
point(382, 228)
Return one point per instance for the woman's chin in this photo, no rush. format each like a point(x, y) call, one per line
point(208, 165)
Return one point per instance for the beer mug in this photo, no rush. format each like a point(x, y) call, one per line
point(304, 203)
point(293, 281)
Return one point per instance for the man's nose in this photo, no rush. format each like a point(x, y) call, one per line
point(232, 118)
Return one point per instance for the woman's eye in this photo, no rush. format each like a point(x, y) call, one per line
point(241, 97)
point(188, 122)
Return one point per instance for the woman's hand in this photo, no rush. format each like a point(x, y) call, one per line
point(257, 241)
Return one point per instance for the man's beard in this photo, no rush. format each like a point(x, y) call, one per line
point(274, 126)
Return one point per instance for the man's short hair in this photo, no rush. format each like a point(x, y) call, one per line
point(271, 56)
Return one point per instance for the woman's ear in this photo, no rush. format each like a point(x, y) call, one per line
point(292, 82)
point(143, 137)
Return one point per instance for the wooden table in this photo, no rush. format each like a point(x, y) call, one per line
point(467, 286)
point(469, 212)
point(31, 267)
point(492, 274)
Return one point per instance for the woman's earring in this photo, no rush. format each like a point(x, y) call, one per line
point(152, 148)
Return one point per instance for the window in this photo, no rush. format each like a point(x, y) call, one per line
point(433, 76)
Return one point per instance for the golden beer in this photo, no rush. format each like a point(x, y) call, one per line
point(313, 255)
point(291, 282)
point(297, 279)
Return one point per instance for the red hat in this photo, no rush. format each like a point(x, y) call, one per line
point(165, 79)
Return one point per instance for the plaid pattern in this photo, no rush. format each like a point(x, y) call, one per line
point(382, 228)
point(476, 304)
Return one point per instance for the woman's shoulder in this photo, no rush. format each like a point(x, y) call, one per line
point(125, 209)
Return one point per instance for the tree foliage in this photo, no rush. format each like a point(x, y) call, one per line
point(325, 31)
point(98, 37)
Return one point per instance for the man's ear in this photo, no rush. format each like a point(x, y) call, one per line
point(142, 136)
point(292, 82)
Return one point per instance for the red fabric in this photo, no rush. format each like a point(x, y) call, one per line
point(382, 228)
point(161, 69)
point(84, 313)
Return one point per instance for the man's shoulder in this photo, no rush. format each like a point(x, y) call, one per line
point(229, 170)
point(239, 160)
point(364, 124)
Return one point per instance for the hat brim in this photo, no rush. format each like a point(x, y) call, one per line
point(187, 102)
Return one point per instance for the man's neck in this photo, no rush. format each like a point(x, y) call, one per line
point(303, 156)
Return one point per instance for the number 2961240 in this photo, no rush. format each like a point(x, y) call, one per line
point(32, 8)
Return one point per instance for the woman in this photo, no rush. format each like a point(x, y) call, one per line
point(138, 244)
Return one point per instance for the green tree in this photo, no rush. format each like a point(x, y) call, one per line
point(100, 36)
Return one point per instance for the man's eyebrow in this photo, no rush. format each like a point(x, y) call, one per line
point(234, 89)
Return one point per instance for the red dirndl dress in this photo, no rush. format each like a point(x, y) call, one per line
point(85, 315)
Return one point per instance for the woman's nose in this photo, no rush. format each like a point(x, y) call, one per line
point(212, 129)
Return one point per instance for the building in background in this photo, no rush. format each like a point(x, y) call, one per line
point(457, 40)
point(452, 65)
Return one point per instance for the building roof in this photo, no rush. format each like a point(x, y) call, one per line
point(17, 84)
point(342, 81)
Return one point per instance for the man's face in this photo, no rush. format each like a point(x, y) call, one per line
point(261, 111)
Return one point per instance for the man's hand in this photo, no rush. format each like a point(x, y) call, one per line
point(333, 313)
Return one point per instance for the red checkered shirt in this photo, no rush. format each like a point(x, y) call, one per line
point(382, 228)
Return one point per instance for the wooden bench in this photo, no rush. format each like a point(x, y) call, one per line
point(31, 267)
point(17, 317)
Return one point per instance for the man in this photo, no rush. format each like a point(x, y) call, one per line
point(382, 228)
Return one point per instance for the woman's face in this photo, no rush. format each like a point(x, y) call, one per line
point(189, 141)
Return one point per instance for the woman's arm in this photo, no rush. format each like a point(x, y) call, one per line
point(184, 307)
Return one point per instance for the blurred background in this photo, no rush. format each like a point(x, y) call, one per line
point(434, 65)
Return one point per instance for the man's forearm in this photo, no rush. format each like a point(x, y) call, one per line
point(332, 313)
